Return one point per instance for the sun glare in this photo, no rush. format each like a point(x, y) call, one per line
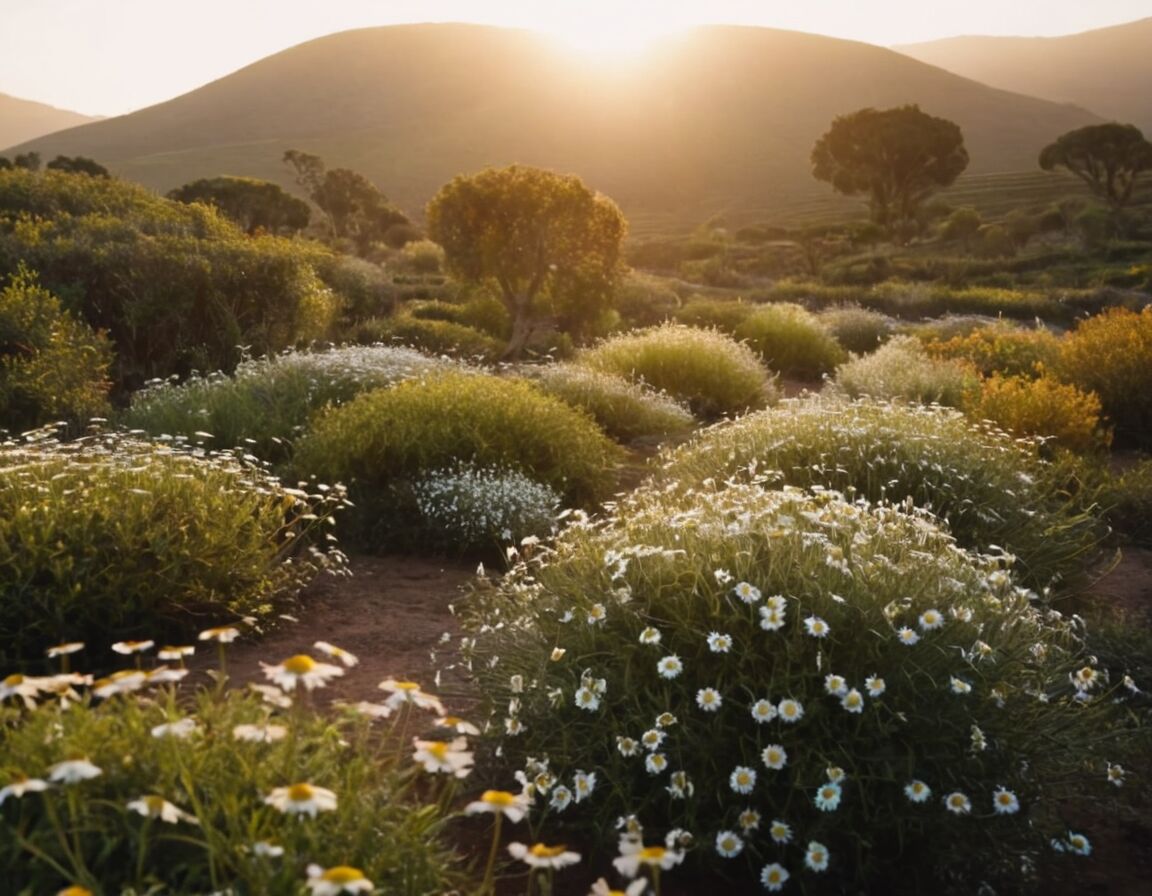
point(620, 38)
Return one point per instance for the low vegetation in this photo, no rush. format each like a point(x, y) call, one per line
point(902, 370)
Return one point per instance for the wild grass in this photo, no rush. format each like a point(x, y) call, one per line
point(901, 369)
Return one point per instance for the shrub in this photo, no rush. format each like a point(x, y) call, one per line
point(1111, 355)
point(422, 257)
point(1042, 407)
point(625, 410)
point(381, 442)
point(1001, 348)
point(108, 538)
point(901, 369)
point(643, 300)
point(266, 404)
point(210, 761)
point(437, 336)
point(1127, 501)
point(721, 314)
point(857, 329)
point(52, 366)
point(791, 341)
point(710, 664)
point(364, 289)
point(710, 372)
point(993, 492)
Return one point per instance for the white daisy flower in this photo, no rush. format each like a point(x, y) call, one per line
point(302, 799)
point(652, 739)
point(627, 746)
point(773, 877)
point(774, 756)
point(763, 711)
point(21, 786)
point(224, 634)
point(875, 685)
point(816, 857)
point(817, 627)
point(957, 803)
point(1005, 802)
point(747, 593)
point(827, 797)
point(73, 771)
point(337, 653)
point(338, 880)
point(931, 619)
point(907, 636)
point(670, 666)
point(917, 791)
point(742, 779)
point(153, 806)
point(260, 734)
point(561, 798)
point(1116, 774)
point(513, 806)
point(650, 635)
point(719, 643)
point(450, 757)
point(729, 844)
point(959, 686)
point(538, 855)
point(835, 685)
point(583, 783)
point(853, 701)
point(749, 820)
point(790, 711)
point(587, 699)
point(129, 647)
point(301, 670)
point(780, 831)
point(409, 692)
point(709, 699)
point(771, 619)
point(634, 855)
point(181, 728)
point(655, 763)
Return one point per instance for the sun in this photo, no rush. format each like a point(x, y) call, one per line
point(620, 36)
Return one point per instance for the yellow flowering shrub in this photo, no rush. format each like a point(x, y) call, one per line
point(1043, 407)
point(1000, 348)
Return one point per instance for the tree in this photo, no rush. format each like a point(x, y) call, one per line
point(28, 160)
point(550, 243)
point(78, 165)
point(256, 205)
point(6, 164)
point(1109, 158)
point(899, 157)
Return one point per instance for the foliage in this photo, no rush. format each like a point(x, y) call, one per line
point(710, 372)
point(624, 409)
point(791, 340)
point(1001, 347)
point(211, 762)
point(1111, 355)
point(961, 225)
point(78, 165)
point(994, 493)
point(550, 244)
point(857, 329)
point(721, 314)
point(437, 336)
point(108, 537)
point(1109, 158)
point(52, 366)
point(255, 205)
point(643, 300)
point(1127, 501)
point(902, 369)
point(267, 403)
point(756, 672)
point(422, 257)
point(364, 289)
point(898, 157)
point(382, 441)
point(1040, 406)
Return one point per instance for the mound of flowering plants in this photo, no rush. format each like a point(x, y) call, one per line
point(792, 687)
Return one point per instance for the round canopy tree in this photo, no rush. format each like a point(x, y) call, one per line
point(898, 157)
point(1109, 158)
point(550, 244)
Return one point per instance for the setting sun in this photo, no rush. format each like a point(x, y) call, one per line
point(620, 37)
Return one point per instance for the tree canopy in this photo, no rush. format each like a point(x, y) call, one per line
point(256, 205)
point(78, 165)
point(550, 243)
point(898, 157)
point(1109, 158)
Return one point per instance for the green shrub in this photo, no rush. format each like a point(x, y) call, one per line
point(108, 538)
point(267, 403)
point(363, 288)
point(1111, 355)
point(717, 661)
point(992, 491)
point(791, 341)
point(643, 300)
point(710, 372)
point(1127, 500)
point(1042, 407)
point(857, 329)
point(721, 314)
point(211, 760)
point(52, 366)
point(625, 410)
point(1001, 348)
point(381, 442)
point(437, 336)
point(422, 257)
point(901, 369)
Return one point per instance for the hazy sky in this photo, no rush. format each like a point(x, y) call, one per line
point(106, 57)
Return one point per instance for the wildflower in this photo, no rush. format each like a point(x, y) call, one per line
point(709, 699)
point(722, 576)
point(875, 685)
point(540, 856)
point(655, 763)
point(1084, 679)
point(719, 643)
point(561, 798)
point(175, 653)
point(790, 711)
point(21, 786)
point(271, 695)
point(64, 649)
point(633, 854)
point(907, 636)
point(959, 686)
point(1116, 774)
point(457, 724)
point(773, 877)
point(260, 734)
point(827, 797)
point(337, 653)
point(1078, 843)
point(835, 685)
point(627, 746)
point(931, 620)
point(557, 654)
point(763, 711)
point(650, 636)
point(652, 739)
point(747, 593)
point(742, 779)
point(598, 613)
point(165, 675)
point(771, 619)
point(601, 888)
point(729, 844)
point(181, 728)
point(74, 890)
point(514, 806)
point(153, 806)
point(302, 799)
point(72, 771)
point(958, 803)
point(774, 756)
point(1005, 802)
point(122, 682)
point(978, 741)
point(963, 614)
point(780, 831)
point(513, 726)
point(670, 666)
point(451, 757)
point(336, 880)
point(129, 647)
point(917, 791)
point(301, 669)
point(679, 787)
point(587, 699)
point(223, 634)
point(835, 774)
point(816, 858)
point(405, 692)
point(583, 783)
point(267, 850)
point(665, 720)
point(817, 627)
point(22, 686)
point(777, 602)
point(853, 701)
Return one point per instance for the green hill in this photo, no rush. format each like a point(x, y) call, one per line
point(1107, 70)
point(22, 120)
point(720, 119)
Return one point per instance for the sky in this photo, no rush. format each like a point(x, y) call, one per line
point(108, 57)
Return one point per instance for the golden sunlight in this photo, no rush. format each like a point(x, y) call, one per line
point(624, 35)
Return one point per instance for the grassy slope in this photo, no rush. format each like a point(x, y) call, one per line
point(23, 120)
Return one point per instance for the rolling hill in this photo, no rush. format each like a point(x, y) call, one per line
point(22, 120)
point(1107, 70)
point(718, 119)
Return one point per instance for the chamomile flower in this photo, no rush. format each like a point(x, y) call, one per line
point(827, 797)
point(835, 774)
point(719, 643)
point(74, 890)
point(907, 636)
point(790, 711)
point(763, 711)
point(853, 701)
point(73, 771)
point(153, 806)
point(181, 728)
point(561, 798)
point(709, 699)
point(749, 820)
point(816, 856)
point(539, 855)
point(634, 854)
point(959, 686)
point(742, 779)
point(267, 849)
point(64, 649)
point(1084, 678)
point(21, 786)
point(670, 666)
point(817, 627)
point(1005, 802)
point(409, 692)
point(747, 593)
point(652, 739)
point(597, 614)
point(450, 757)
point(302, 799)
point(123, 681)
point(665, 720)
point(957, 803)
point(835, 685)
point(266, 733)
point(771, 619)
point(337, 880)
point(127, 648)
point(301, 669)
point(930, 620)
point(337, 653)
point(25, 687)
point(1078, 844)
point(457, 724)
point(780, 831)
point(601, 888)
point(875, 686)
point(729, 844)
point(655, 763)
point(627, 746)
point(650, 635)
point(774, 756)
point(583, 783)
point(513, 806)
point(587, 699)
point(917, 791)
point(222, 634)
point(679, 786)
point(376, 711)
point(773, 877)
point(1116, 774)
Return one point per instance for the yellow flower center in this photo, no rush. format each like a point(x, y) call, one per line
point(342, 874)
point(817, 857)
point(154, 803)
point(653, 854)
point(499, 798)
point(301, 664)
point(13, 680)
point(300, 793)
point(540, 851)
point(438, 748)
point(75, 891)
point(407, 686)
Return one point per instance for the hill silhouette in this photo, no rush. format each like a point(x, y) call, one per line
point(22, 120)
point(1107, 70)
point(719, 118)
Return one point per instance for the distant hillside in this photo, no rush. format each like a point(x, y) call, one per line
point(22, 120)
point(715, 120)
point(1108, 71)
